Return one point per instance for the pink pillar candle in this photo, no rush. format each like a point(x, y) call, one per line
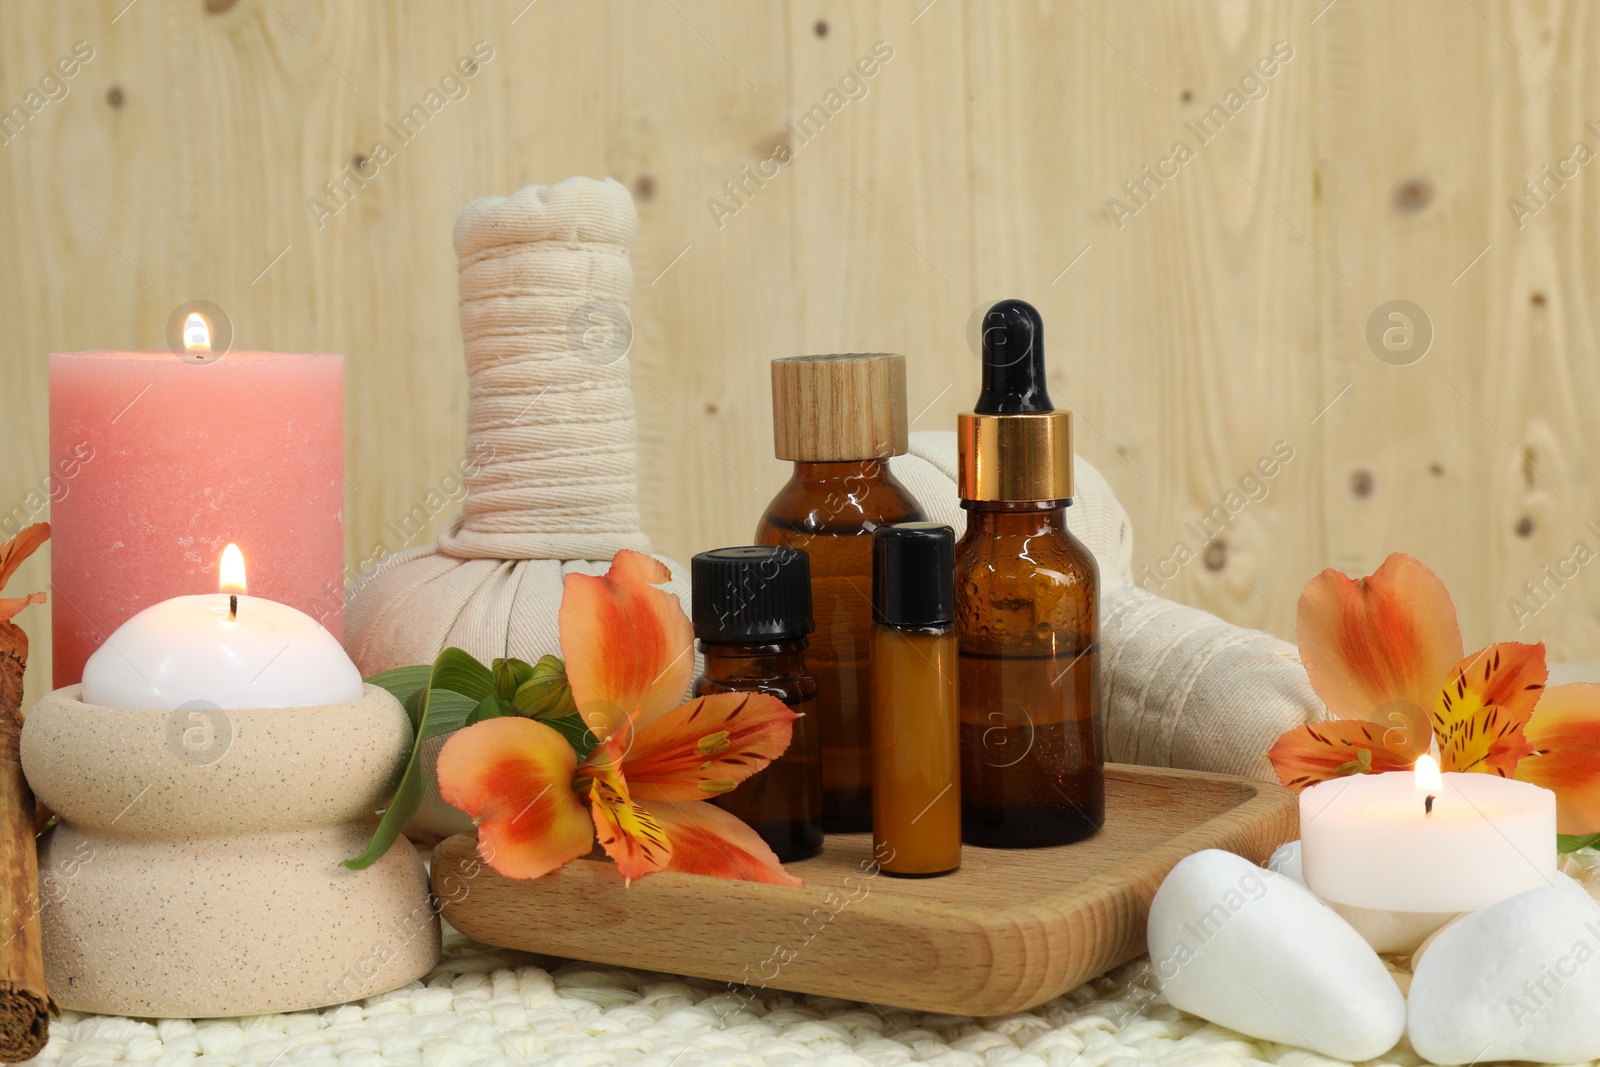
point(171, 459)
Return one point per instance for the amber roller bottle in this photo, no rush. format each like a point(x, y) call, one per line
point(752, 611)
point(916, 794)
point(839, 419)
point(1027, 614)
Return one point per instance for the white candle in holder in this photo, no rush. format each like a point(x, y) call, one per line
point(223, 650)
point(219, 759)
point(1378, 841)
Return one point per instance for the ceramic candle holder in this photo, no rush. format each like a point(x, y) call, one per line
point(196, 862)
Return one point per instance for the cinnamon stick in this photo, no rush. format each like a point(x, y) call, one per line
point(25, 1001)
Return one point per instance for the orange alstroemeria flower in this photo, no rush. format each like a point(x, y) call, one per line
point(1384, 654)
point(629, 652)
point(12, 553)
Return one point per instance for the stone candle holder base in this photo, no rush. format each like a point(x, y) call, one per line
point(195, 870)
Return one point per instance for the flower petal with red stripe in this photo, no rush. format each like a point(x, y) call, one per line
point(627, 830)
point(628, 646)
point(706, 746)
point(1485, 703)
point(514, 777)
point(1377, 648)
point(1322, 751)
point(707, 840)
point(1565, 736)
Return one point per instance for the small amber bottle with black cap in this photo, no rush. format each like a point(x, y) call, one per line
point(916, 762)
point(752, 612)
point(840, 418)
point(1027, 608)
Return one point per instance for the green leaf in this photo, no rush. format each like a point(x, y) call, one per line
point(458, 672)
point(447, 712)
point(1573, 842)
point(509, 674)
point(436, 710)
point(402, 683)
point(577, 734)
point(488, 708)
point(546, 695)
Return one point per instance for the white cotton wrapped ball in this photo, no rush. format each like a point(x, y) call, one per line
point(551, 467)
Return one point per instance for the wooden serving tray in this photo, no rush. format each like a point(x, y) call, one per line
point(1009, 930)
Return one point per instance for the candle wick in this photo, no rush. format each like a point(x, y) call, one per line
point(233, 614)
point(1427, 806)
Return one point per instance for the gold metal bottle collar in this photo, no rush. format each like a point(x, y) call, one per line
point(1025, 456)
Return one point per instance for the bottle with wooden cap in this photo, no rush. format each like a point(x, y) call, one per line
point(1027, 612)
point(839, 419)
point(916, 794)
point(752, 612)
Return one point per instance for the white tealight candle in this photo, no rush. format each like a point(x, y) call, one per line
point(223, 650)
point(1424, 842)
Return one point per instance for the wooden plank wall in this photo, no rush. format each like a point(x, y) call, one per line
point(1194, 327)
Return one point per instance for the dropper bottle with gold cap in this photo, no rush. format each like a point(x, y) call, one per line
point(839, 419)
point(1027, 609)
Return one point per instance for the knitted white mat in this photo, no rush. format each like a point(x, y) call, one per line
point(497, 1007)
point(493, 1007)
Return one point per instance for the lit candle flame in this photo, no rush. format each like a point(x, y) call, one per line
point(1429, 782)
point(1428, 778)
point(230, 575)
point(196, 333)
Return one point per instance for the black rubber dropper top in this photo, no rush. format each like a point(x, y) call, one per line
point(1013, 361)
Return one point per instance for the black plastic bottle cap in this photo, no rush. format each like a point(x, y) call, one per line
point(756, 593)
point(913, 575)
point(1013, 361)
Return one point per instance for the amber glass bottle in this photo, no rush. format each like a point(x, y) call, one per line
point(839, 419)
point(1027, 611)
point(752, 611)
point(916, 795)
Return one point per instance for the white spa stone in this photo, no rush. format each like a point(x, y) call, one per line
point(1286, 861)
point(1256, 952)
point(1519, 980)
